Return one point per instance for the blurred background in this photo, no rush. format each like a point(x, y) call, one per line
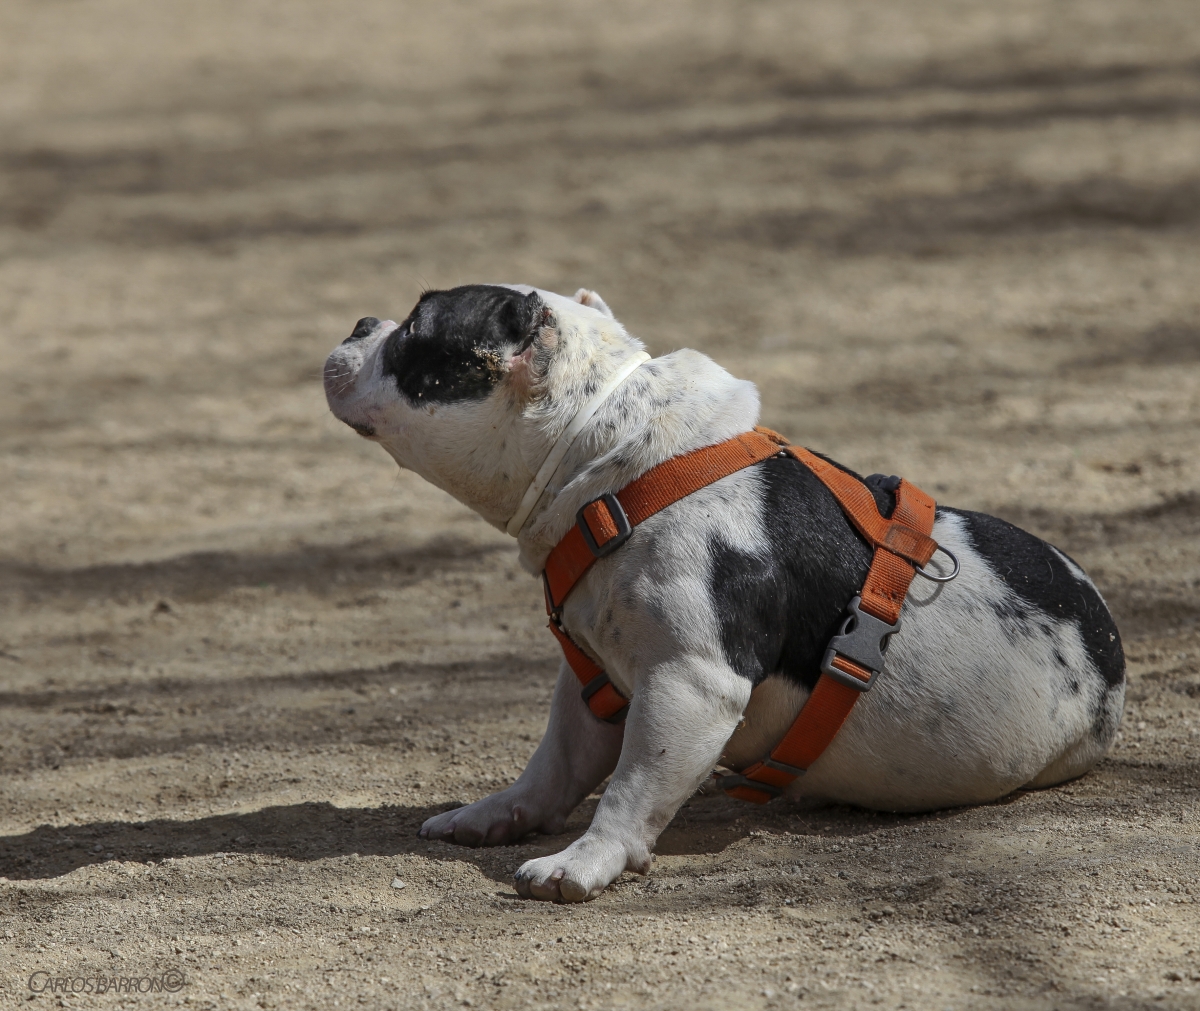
point(950, 240)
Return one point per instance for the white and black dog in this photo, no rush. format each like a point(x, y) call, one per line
point(713, 618)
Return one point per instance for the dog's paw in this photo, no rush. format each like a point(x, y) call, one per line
point(579, 873)
point(493, 821)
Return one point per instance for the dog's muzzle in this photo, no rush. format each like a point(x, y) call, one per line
point(343, 368)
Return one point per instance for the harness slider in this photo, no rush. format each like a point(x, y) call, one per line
point(620, 530)
point(787, 770)
point(599, 683)
point(736, 781)
point(593, 686)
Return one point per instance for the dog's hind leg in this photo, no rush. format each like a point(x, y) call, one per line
point(575, 755)
point(682, 714)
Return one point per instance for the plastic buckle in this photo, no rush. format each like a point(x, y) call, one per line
point(617, 512)
point(861, 639)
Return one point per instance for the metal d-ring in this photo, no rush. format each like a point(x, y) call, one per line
point(940, 579)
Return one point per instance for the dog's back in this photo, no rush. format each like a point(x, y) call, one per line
point(1011, 675)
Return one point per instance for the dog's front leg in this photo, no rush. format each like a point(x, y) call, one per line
point(575, 755)
point(681, 716)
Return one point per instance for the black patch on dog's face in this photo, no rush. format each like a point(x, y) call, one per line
point(455, 344)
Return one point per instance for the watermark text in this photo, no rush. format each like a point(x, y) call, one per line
point(168, 981)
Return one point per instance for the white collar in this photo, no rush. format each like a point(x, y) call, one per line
point(558, 452)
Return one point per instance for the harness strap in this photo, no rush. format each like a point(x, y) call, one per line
point(602, 698)
point(604, 524)
point(900, 543)
point(605, 519)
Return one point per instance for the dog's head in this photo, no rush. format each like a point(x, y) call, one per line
point(471, 390)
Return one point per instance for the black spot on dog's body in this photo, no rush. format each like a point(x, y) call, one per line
point(778, 609)
point(1043, 584)
point(1106, 717)
point(455, 344)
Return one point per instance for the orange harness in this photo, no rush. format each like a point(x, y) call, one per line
point(855, 655)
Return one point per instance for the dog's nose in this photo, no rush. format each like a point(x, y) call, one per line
point(363, 328)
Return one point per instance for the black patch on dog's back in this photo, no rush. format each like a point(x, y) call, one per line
point(1045, 585)
point(455, 344)
point(779, 610)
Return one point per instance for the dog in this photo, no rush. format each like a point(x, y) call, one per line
point(713, 617)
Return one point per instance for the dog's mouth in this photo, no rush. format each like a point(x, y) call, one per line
point(342, 402)
point(340, 378)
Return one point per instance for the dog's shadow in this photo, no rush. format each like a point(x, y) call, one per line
point(707, 824)
point(304, 832)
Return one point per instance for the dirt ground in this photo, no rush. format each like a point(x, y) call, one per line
point(242, 658)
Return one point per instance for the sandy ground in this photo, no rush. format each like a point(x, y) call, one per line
point(242, 658)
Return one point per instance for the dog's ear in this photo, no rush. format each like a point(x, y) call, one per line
point(520, 318)
point(593, 301)
point(534, 322)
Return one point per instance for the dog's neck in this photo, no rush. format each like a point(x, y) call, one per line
point(548, 472)
point(668, 407)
